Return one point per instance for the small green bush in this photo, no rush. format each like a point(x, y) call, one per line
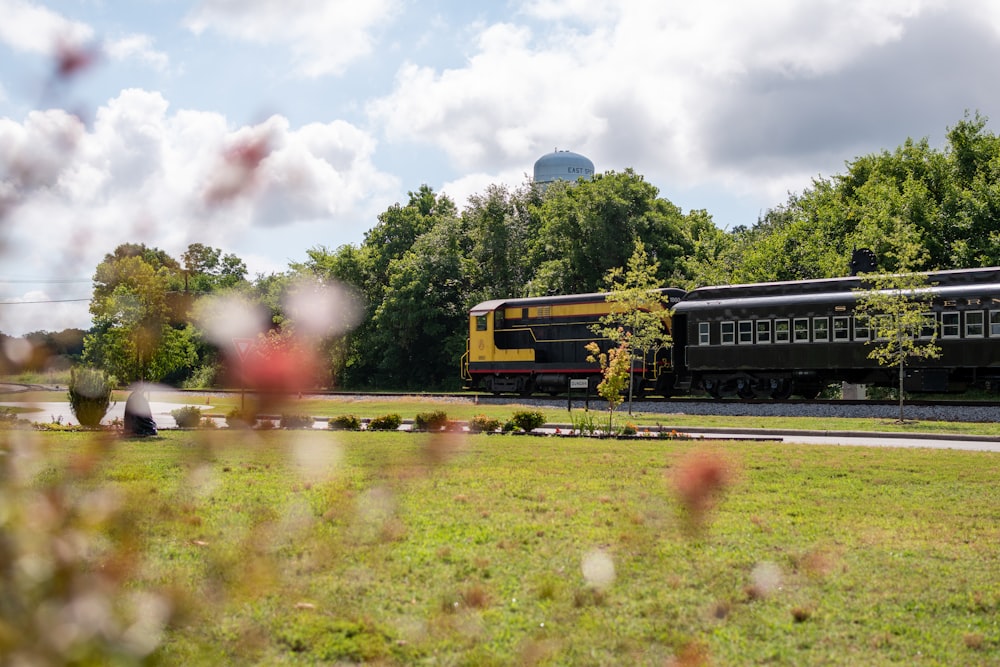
point(389, 422)
point(483, 424)
point(430, 421)
point(345, 423)
point(203, 377)
point(296, 421)
point(528, 420)
point(90, 395)
point(187, 417)
point(237, 418)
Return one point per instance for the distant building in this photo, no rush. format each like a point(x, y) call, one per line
point(563, 166)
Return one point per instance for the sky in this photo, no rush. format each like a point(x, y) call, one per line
point(269, 127)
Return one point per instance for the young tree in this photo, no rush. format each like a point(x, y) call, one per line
point(894, 306)
point(615, 369)
point(637, 308)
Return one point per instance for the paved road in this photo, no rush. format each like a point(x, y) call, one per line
point(971, 443)
point(47, 412)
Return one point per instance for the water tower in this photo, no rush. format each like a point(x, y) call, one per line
point(563, 166)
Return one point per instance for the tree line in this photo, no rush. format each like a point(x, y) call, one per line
point(425, 262)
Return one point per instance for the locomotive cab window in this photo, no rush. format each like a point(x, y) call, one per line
point(704, 333)
point(480, 322)
point(781, 331)
point(821, 329)
point(801, 327)
point(728, 333)
point(746, 332)
point(842, 328)
point(498, 320)
point(995, 323)
point(974, 324)
point(949, 325)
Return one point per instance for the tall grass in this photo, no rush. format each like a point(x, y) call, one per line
point(394, 548)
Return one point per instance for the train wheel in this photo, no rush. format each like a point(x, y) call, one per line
point(781, 390)
point(745, 391)
point(714, 390)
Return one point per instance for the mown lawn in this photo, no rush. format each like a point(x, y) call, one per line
point(320, 547)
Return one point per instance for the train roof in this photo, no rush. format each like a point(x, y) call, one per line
point(798, 288)
point(673, 295)
point(942, 284)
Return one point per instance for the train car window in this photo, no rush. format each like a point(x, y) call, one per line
point(861, 329)
point(842, 328)
point(763, 331)
point(879, 327)
point(821, 329)
point(929, 327)
point(704, 333)
point(746, 332)
point(781, 331)
point(524, 313)
point(498, 320)
point(728, 333)
point(801, 327)
point(995, 323)
point(949, 325)
point(480, 323)
point(974, 324)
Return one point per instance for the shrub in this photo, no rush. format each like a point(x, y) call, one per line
point(187, 417)
point(203, 377)
point(528, 420)
point(90, 395)
point(237, 418)
point(430, 421)
point(296, 421)
point(483, 424)
point(345, 423)
point(389, 422)
point(629, 429)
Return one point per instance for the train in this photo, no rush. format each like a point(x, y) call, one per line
point(761, 340)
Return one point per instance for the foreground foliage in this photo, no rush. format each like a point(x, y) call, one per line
point(306, 547)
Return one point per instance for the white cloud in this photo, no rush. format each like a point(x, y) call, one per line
point(30, 27)
point(139, 47)
point(143, 173)
point(753, 97)
point(324, 37)
point(38, 310)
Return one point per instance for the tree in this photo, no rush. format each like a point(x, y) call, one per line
point(132, 336)
point(637, 308)
point(589, 227)
point(615, 375)
point(894, 307)
point(206, 269)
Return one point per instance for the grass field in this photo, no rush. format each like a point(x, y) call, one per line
point(322, 548)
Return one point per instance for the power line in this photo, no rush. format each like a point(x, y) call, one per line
point(18, 303)
point(45, 281)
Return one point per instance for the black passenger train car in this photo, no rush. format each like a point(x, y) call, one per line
point(775, 339)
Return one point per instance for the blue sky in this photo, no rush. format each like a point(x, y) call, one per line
point(723, 105)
